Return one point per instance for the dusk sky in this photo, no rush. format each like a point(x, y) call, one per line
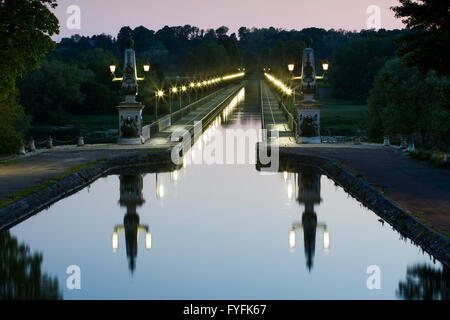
point(108, 16)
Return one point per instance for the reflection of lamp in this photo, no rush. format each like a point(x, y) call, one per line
point(174, 175)
point(159, 189)
point(115, 241)
point(289, 192)
point(292, 239)
point(326, 239)
point(309, 194)
point(148, 241)
point(131, 196)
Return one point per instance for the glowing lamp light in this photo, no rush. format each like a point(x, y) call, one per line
point(292, 239)
point(183, 88)
point(146, 67)
point(160, 93)
point(199, 84)
point(174, 89)
point(192, 85)
point(148, 240)
point(112, 67)
point(291, 67)
point(325, 65)
point(326, 240)
point(288, 92)
point(115, 241)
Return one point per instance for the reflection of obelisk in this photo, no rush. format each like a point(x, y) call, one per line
point(131, 196)
point(309, 195)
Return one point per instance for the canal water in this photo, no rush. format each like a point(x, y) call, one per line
point(214, 231)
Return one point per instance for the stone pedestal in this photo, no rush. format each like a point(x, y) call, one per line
point(309, 122)
point(130, 123)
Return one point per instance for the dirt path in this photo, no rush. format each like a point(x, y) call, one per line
point(32, 170)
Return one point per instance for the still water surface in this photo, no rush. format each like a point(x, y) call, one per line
point(219, 232)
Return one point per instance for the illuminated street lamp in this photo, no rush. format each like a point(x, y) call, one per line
point(112, 67)
point(291, 67)
point(158, 95)
point(146, 67)
point(173, 92)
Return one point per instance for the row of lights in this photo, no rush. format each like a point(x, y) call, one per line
point(200, 84)
point(279, 84)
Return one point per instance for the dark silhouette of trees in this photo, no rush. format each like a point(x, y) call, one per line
point(21, 276)
point(428, 45)
point(23, 41)
point(425, 282)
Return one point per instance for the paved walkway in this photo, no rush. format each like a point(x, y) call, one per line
point(272, 116)
point(32, 169)
point(188, 121)
point(414, 185)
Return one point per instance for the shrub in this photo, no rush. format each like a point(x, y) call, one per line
point(10, 141)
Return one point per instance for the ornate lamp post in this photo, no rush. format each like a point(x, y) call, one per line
point(130, 111)
point(309, 109)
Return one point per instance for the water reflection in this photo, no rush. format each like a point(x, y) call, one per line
point(226, 262)
point(424, 281)
point(307, 192)
point(131, 197)
point(21, 276)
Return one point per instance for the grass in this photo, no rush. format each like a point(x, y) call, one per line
point(421, 216)
point(10, 199)
point(435, 158)
point(341, 117)
point(8, 162)
point(84, 123)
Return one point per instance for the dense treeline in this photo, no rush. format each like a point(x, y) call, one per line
point(411, 96)
point(74, 78)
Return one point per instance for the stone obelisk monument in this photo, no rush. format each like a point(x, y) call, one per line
point(308, 109)
point(130, 111)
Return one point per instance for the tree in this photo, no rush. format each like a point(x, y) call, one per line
point(354, 67)
point(26, 28)
point(54, 90)
point(405, 101)
point(222, 31)
point(232, 50)
point(428, 45)
point(425, 282)
point(21, 275)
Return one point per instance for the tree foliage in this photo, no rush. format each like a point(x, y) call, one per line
point(21, 276)
point(23, 41)
point(428, 45)
point(354, 67)
point(403, 101)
